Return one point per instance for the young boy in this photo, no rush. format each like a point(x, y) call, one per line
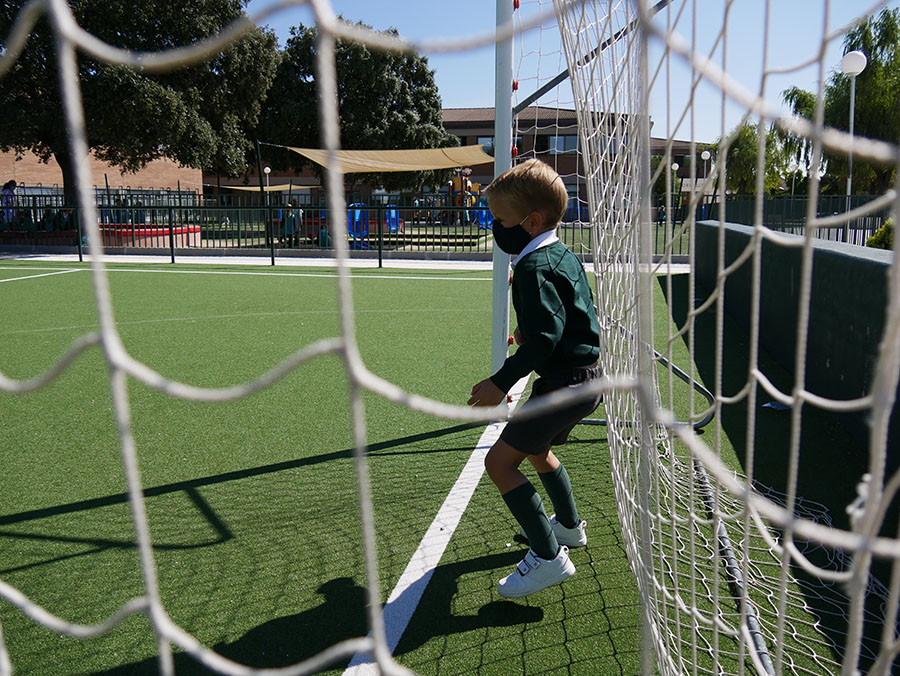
point(558, 338)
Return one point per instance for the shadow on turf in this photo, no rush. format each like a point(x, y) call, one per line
point(190, 488)
point(342, 615)
point(102, 544)
point(831, 461)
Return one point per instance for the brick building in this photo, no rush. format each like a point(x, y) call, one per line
point(547, 133)
point(159, 174)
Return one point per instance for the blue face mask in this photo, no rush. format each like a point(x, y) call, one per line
point(511, 240)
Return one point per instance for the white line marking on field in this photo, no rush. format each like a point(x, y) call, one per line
point(32, 267)
point(245, 315)
point(354, 276)
point(283, 261)
point(46, 274)
point(302, 274)
point(402, 602)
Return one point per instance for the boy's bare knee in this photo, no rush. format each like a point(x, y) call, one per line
point(545, 462)
point(494, 463)
point(502, 462)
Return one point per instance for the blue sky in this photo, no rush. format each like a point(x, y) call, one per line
point(466, 79)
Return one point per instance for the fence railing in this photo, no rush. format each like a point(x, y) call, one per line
point(782, 213)
point(430, 226)
point(382, 228)
point(37, 196)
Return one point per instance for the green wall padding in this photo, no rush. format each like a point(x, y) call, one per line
point(846, 317)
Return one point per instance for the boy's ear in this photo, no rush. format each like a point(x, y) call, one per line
point(535, 223)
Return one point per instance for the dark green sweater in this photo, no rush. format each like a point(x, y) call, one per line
point(555, 310)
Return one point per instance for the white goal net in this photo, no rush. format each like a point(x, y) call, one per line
point(737, 573)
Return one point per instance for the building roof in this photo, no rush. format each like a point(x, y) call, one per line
point(486, 115)
point(563, 118)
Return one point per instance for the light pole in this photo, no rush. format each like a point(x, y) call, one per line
point(705, 155)
point(852, 64)
point(675, 177)
point(270, 231)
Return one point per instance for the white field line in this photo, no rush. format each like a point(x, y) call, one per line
point(301, 274)
point(405, 597)
point(46, 274)
point(246, 315)
point(263, 274)
point(263, 261)
point(33, 267)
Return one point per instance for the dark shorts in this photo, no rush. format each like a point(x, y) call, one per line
point(535, 435)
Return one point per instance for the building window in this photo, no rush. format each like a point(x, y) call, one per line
point(489, 141)
point(563, 144)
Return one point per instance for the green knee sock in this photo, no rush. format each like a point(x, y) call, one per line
point(559, 489)
point(526, 506)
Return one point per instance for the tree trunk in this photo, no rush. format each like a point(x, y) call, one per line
point(68, 165)
point(885, 178)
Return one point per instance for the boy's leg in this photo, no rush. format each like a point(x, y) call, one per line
point(502, 465)
point(547, 563)
point(555, 479)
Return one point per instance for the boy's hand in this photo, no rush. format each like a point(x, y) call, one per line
point(486, 393)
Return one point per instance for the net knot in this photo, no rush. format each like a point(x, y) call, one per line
point(856, 508)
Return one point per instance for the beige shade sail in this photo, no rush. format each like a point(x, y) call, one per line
point(374, 161)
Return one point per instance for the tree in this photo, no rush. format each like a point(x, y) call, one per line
point(803, 104)
point(197, 116)
point(741, 160)
point(877, 113)
point(386, 101)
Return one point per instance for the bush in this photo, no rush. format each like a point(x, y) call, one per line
point(883, 237)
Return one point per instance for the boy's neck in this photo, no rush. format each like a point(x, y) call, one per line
point(544, 238)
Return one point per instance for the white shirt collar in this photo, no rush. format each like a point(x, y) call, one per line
point(544, 239)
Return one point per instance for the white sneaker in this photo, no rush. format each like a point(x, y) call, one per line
point(534, 573)
point(573, 538)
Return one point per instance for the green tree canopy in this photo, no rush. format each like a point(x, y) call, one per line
point(197, 116)
point(386, 101)
point(741, 160)
point(877, 106)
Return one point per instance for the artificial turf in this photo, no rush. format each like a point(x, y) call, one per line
point(253, 503)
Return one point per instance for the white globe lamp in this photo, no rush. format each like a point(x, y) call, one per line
point(852, 65)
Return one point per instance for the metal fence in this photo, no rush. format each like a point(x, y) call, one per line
point(788, 214)
point(426, 224)
point(39, 196)
point(782, 213)
point(281, 227)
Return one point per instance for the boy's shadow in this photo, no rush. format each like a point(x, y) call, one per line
point(294, 638)
point(342, 615)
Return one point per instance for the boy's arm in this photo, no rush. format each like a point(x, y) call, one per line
point(529, 356)
point(541, 321)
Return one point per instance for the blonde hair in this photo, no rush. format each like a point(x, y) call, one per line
point(535, 186)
